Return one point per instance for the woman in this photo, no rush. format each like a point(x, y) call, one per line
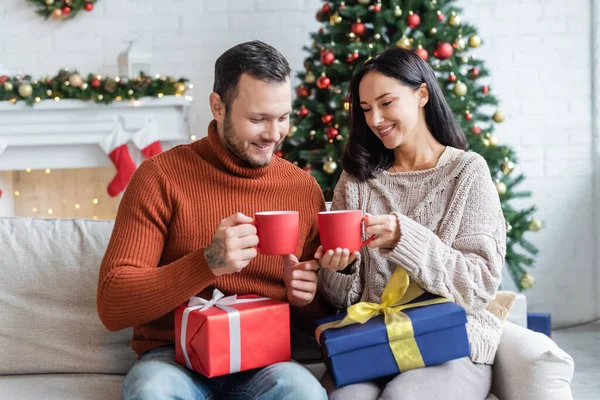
point(435, 212)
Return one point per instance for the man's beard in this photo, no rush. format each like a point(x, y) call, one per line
point(238, 148)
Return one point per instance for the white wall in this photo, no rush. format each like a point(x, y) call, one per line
point(539, 53)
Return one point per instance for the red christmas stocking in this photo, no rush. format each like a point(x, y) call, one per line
point(115, 146)
point(147, 140)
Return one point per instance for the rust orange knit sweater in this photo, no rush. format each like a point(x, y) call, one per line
point(168, 215)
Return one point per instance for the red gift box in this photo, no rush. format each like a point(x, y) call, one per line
point(226, 335)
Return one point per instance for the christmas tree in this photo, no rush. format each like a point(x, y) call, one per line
point(355, 30)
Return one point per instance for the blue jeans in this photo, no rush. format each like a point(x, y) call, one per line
point(157, 376)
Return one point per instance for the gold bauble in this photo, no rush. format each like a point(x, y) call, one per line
point(25, 90)
point(403, 43)
point(8, 86)
point(68, 2)
point(507, 166)
point(330, 167)
point(347, 106)
point(454, 20)
point(486, 142)
point(335, 19)
point(310, 77)
point(397, 11)
point(501, 187)
point(535, 225)
point(474, 41)
point(364, 2)
point(49, 2)
point(56, 13)
point(527, 281)
point(180, 88)
point(293, 129)
point(75, 80)
point(464, 59)
point(499, 116)
point(493, 141)
point(461, 44)
point(460, 89)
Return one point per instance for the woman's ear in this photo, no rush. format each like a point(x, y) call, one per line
point(423, 93)
point(217, 107)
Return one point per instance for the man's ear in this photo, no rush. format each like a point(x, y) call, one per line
point(217, 107)
point(423, 92)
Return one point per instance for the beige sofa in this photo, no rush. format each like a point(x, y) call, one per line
point(53, 346)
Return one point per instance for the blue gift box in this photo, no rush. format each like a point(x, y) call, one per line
point(540, 322)
point(362, 352)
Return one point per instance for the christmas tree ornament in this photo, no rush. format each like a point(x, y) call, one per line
point(493, 141)
point(474, 41)
point(332, 132)
point(301, 91)
point(507, 166)
point(88, 6)
point(433, 30)
point(397, 11)
point(326, 8)
point(535, 225)
point(326, 118)
point(498, 116)
point(110, 85)
point(412, 20)
point(358, 28)
point(404, 43)
point(527, 281)
point(460, 44)
point(303, 111)
point(8, 86)
point(443, 51)
point(508, 227)
point(293, 129)
point(323, 82)
point(49, 2)
point(180, 88)
point(364, 2)
point(327, 57)
point(476, 130)
point(310, 77)
point(468, 116)
point(95, 82)
point(440, 16)
point(421, 52)
point(460, 89)
point(330, 167)
point(25, 90)
point(454, 19)
point(452, 77)
point(474, 73)
point(486, 142)
point(75, 80)
point(501, 187)
point(485, 90)
point(335, 19)
point(56, 14)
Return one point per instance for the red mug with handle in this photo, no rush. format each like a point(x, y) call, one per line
point(342, 229)
point(277, 232)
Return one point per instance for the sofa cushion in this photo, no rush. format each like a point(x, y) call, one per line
point(61, 386)
point(48, 318)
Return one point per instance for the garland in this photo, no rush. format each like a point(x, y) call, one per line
point(71, 85)
point(62, 9)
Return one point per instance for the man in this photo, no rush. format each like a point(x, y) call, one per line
point(184, 227)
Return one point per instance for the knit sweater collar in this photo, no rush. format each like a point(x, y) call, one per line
point(212, 150)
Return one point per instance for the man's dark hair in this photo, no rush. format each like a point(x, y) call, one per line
point(255, 58)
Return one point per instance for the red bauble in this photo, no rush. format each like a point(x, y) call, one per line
point(377, 7)
point(474, 73)
point(327, 57)
point(485, 89)
point(302, 91)
point(88, 6)
point(326, 8)
point(95, 83)
point(3, 79)
point(278, 153)
point(413, 20)
point(468, 116)
point(307, 169)
point(303, 111)
point(443, 51)
point(421, 52)
point(441, 17)
point(358, 28)
point(321, 30)
point(452, 78)
point(66, 10)
point(332, 132)
point(323, 82)
point(476, 130)
point(326, 118)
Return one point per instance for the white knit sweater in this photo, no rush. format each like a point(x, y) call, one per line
point(453, 240)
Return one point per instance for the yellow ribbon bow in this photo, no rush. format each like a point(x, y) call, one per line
point(397, 295)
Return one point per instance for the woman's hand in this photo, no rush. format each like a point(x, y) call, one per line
point(335, 260)
point(386, 229)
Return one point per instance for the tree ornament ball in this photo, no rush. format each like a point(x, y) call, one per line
point(323, 82)
point(310, 77)
point(25, 90)
point(358, 28)
point(474, 41)
point(460, 89)
point(535, 225)
point(498, 116)
point(397, 11)
point(507, 166)
point(527, 281)
point(501, 187)
point(413, 20)
point(454, 20)
point(76, 80)
point(332, 132)
point(443, 51)
point(403, 43)
point(327, 58)
point(330, 167)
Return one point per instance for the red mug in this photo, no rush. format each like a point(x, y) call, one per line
point(342, 229)
point(277, 232)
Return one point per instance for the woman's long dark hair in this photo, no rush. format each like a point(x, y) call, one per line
point(365, 153)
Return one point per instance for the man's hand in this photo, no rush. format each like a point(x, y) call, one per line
point(300, 280)
point(233, 245)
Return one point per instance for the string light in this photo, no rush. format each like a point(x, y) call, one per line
point(95, 201)
point(28, 169)
point(50, 211)
point(17, 193)
point(77, 206)
point(48, 171)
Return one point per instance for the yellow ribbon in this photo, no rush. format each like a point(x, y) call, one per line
point(397, 295)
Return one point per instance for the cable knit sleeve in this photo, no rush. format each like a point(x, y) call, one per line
point(469, 271)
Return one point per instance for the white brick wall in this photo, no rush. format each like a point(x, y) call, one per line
point(538, 52)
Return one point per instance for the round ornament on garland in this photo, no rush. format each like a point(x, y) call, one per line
point(62, 9)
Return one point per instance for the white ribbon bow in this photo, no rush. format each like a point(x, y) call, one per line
point(220, 301)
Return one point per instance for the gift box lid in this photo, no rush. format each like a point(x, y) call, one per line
point(373, 332)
